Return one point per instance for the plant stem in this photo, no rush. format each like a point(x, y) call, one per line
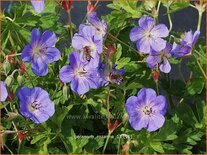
point(107, 104)
point(199, 65)
point(199, 20)
point(157, 87)
point(107, 140)
point(70, 24)
point(169, 19)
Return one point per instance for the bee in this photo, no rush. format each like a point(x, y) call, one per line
point(116, 78)
point(87, 54)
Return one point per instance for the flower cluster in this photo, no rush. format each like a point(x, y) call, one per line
point(86, 70)
point(149, 40)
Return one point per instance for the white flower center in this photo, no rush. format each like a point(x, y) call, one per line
point(147, 110)
point(80, 72)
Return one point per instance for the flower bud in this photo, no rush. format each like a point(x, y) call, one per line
point(6, 66)
point(155, 75)
point(125, 118)
point(67, 4)
point(21, 136)
point(20, 79)
point(111, 50)
point(90, 8)
point(9, 80)
point(22, 67)
point(65, 91)
point(125, 148)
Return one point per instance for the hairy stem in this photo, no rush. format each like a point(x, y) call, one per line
point(70, 24)
point(169, 19)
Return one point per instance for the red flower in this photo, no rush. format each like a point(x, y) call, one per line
point(21, 136)
point(112, 127)
point(11, 58)
point(67, 4)
point(90, 8)
point(22, 67)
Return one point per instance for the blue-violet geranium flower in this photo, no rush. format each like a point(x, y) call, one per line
point(35, 104)
point(161, 59)
point(148, 36)
point(41, 51)
point(81, 76)
point(146, 110)
point(186, 44)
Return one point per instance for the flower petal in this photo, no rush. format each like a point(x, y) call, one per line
point(145, 95)
point(79, 85)
point(152, 61)
point(136, 33)
point(160, 104)
point(146, 22)
point(38, 5)
point(35, 36)
point(48, 39)
point(195, 37)
point(66, 74)
point(52, 54)
point(26, 53)
point(157, 44)
point(138, 122)
point(79, 42)
point(3, 92)
point(143, 45)
point(156, 121)
point(160, 30)
point(39, 67)
point(131, 105)
point(165, 66)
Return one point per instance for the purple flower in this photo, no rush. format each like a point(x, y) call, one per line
point(41, 51)
point(81, 76)
point(38, 5)
point(186, 45)
point(148, 36)
point(160, 58)
point(90, 44)
point(113, 76)
point(35, 104)
point(3, 93)
point(100, 25)
point(146, 110)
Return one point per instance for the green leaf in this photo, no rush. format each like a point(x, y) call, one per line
point(157, 146)
point(196, 86)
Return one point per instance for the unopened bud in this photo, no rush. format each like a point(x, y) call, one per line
point(155, 75)
point(21, 136)
point(125, 149)
point(20, 79)
point(125, 118)
point(6, 66)
point(111, 50)
point(9, 80)
point(90, 8)
point(65, 91)
point(67, 4)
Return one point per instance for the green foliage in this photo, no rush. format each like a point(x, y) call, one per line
point(79, 124)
